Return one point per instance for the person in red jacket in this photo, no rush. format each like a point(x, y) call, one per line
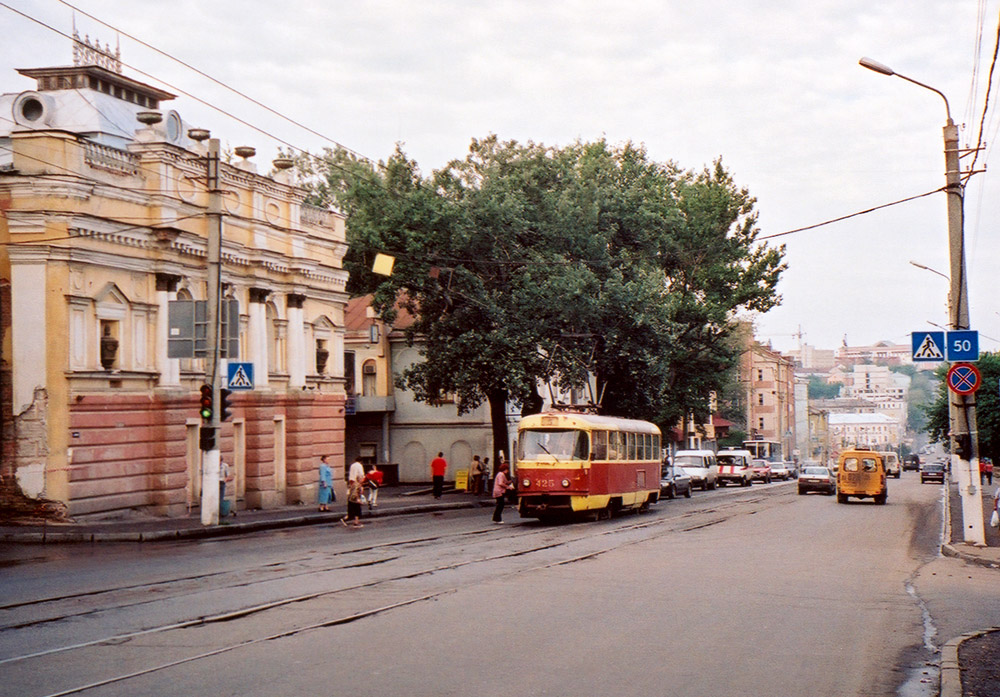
point(438, 467)
point(372, 482)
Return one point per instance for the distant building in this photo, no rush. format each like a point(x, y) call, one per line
point(813, 360)
point(768, 378)
point(883, 352)
point(875, 431)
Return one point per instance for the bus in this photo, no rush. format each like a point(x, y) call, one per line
point(576, 463)
point(769, 450)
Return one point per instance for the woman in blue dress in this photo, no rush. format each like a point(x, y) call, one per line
point(325, 484)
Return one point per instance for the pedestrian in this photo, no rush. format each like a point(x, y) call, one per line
point(438, 467)
point(373, 480)
point(225, 475)
point(995, 518)
point(986, 470)
point(475, 475)
point(353, 516)
point(486, 477)
point(325, 484)
point(501, 485)
point(356, 472)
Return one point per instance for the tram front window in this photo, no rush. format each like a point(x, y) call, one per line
point(558, 444)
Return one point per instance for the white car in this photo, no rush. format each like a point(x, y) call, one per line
point(781, 470)
point(700, 465)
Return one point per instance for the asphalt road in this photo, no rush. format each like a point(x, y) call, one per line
point(735, 592)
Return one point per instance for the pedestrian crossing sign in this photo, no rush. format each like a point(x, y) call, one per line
point(928, 346)
point(240, 376)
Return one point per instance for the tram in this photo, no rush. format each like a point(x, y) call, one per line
point(576, 463)
point(769, 450)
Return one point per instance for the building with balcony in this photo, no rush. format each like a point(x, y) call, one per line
point(103, 221)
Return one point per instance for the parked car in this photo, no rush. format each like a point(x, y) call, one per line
point(781, 470)
point(932, 472)
point(734, 466)
point(674, 481)
point(700, 465)
point(760, 470)
point(817, 478)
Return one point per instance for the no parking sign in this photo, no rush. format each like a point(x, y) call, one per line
point(963, 378)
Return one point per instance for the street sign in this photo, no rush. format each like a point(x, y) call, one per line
point(928, 346)
point(963, 345)
point(240, 376)
point(963, 378)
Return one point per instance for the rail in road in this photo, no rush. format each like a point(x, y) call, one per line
point(341, 586)
point(759, 568)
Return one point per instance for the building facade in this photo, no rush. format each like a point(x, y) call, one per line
point(768, 379)
point(103, 221)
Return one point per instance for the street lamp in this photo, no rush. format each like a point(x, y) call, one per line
point(927, 268)
point(962, 408)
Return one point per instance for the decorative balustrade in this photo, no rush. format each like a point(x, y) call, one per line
point(110, 159)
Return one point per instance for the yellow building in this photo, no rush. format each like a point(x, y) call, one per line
point(768, 379)
point(103, 224)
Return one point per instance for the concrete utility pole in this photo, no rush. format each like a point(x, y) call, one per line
point(211, 459)
point(961, 408)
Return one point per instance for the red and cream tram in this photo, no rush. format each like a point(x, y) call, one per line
point(574, 463)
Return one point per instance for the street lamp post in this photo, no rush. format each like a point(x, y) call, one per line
point(961, 408)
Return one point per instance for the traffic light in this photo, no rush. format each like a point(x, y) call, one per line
point(206, 408)
point(963, 446)
point(225, 404)
point(207, 438)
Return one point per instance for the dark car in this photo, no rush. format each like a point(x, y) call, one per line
point(674, 481)
point(817, 479)
point(932, 472)
point(911, 462)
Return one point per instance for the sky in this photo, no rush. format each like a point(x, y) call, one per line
point(771, 87)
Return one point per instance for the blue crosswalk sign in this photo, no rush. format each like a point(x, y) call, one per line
point(240, 376)
point(928, 346)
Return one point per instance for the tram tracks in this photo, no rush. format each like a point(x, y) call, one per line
point(552, 550)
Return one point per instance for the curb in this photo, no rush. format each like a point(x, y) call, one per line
point(951, 671)
point(226, 529)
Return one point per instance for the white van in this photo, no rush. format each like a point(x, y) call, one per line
point(891, 462)
point(735, 466)
point(700, 465)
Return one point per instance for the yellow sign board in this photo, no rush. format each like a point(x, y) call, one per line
point(462, 480)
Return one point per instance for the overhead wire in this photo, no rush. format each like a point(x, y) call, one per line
point(351, 152)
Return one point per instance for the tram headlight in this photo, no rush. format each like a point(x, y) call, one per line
point(565, 484)
point(525, 482)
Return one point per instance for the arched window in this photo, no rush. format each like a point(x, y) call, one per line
point(369, 377)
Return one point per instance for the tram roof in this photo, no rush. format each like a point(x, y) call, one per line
point(587, 421)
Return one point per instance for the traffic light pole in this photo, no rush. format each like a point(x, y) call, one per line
point(961, 408)
point(211, 459)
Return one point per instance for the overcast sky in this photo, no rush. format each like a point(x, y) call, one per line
point(774, 89)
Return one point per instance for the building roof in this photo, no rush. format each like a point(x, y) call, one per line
point(860, 419)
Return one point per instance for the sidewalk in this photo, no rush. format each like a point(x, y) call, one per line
point(392, 501)
point(971, 660)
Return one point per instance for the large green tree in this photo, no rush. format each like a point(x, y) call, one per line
point(987, 407)
point(522, 262)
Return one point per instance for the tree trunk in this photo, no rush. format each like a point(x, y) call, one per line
point(498, 419)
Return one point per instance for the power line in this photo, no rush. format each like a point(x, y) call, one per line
point(217, 81)
point(850, 215)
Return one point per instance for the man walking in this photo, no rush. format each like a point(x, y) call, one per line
point(438, 467)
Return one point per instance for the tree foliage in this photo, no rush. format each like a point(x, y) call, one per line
point(522, 262)
point(987, 407)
